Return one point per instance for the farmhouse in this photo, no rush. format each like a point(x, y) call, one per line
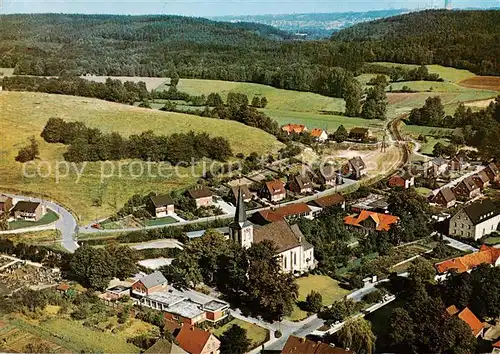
point(404, 181)
point(445, 198)
point(247, 195)
point(439, 165)
point(160, 205)
point(150, 284)
point(467, 189)
point(288, 212)
point(201, 195)
point(328, 176)
point(468, 317)
point(301, 184)
point(493, 172)
point(29, 211)
point(296, 345)
point(359, 133)
point(456, 164)
point(5, 204)
point(319, 135)
point(274, 190)
point(371, 221)
point(294, 128)
point(329, 201)
point(485, 255)
point(296, 254)
point(355, 168)
point(475, 220)
point(197, 341)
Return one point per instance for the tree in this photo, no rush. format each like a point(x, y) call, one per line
point(340, 134)
point(314, 301)
point(169, 106)
point(4, 221)
point(28, 153)
point(352, 96)
point(357, 335)
point(174, 80)
point(438, 149)
point(256, 102)
point(263, 103)
point(92, 267)
point(214, 100)
point(234, 341)
point(421, 271)
point(375, 106)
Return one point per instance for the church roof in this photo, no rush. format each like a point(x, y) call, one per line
point(240, 217)
point(282, 234)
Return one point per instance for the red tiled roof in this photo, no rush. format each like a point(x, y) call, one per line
point(316, 132)
point(296, 345)
point(283, 212)
point(192, 339)
point(63, 287)
point(452, 310)
point(383, 221)
point(465, 263)
point(330, 200)
point(468, 317)
point(294, 128)
point(497, 344)
point(275, 187)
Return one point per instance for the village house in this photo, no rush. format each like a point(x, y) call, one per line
point(294, 128)
point(404, 181)
point(493, 172)
point(160, 206)
point(468, 317)
point(371, 221)
point(29, 211)
point(481, 179)
point(328, 176)
point(274, 191)
point(197, 341)
point(202, 196)
point(475, 220)
point(116, 292)
point(334, 200)
point(301, 184)
point(445, 198)
point(149, 284)
point(287, 212)
point(373, 202)
point(456, 164)
point(485, 255)
point(319, 135)
point(296, 345)
point(439, 165)
point(247, 195)
point(295, 253)
point(164, 346)
point(355, 168)
point(5, 204)
point(360, 134)
point(467, 189)
point(175, 307)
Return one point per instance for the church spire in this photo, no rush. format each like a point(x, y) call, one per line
point(240, 217)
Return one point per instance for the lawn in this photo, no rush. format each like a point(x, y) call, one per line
point(492, 241)
point(417, 130)
point(428, 147)
point(256, 334)
point(161, 221)
point(48, 218)
point(446, 73)
point(423, 191)
point(25, 114)
point(37, 237)
point(326, 286)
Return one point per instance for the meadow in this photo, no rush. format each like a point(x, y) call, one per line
point(256, 334)
point(91, 196)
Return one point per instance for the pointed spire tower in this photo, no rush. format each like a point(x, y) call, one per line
point(241, 230)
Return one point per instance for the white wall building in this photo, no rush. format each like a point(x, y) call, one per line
point(475, 220)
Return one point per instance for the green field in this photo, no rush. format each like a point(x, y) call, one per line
point(161, 221)
point(48, 218)
point(446, 73)
point(25, 114)
point(428, 147)
point(326, 286)
point(256, 334)
point(492, 241)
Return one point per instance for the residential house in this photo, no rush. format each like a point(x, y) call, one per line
point(445, 198)
point(247, 195)
point(149, 284)
point(175, 307)
point(475, 220)
point(467, 189)
point(294, 128)
point(404, 181)
point(5, 204)
point(197, 341)
point(296, 254)
point(359, 133)
point(301, 184)
point(373, 202)
point(116, 292)
point(329, 176)
point(29, 211)
point(274, 191)
point(319, 135)
point(215, 310)
point(468, 317)
point(163, 346)
point(287, 212)
point(439, 164)
point(493, 172)
point(202, 196)
point(485, 255)
point(334, 200)
point(160, 205)
point(481, 179)
point(456, 164)
point(355, 168)
point(296, 345)
point(371, 221)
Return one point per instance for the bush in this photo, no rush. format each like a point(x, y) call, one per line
point(314, 301)
point(373, 297)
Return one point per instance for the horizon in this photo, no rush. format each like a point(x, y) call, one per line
point(226, 8)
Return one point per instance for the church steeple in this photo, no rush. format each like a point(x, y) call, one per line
point(241, 230)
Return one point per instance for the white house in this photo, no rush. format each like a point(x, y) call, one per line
point(295, 253)
point(319, 135)
point(475, 220)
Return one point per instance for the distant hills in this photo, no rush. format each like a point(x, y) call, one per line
point(314, 25)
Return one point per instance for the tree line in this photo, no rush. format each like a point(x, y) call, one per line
point(91, 144)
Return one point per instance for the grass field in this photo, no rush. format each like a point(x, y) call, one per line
point(326, 286)
point(161, 221)
point(446, 73)
point(48, 218)
point(151, 82)
point(37, 237)
point(428, 147)
point(25, 114)
point(482, 82)
point(429, 131)
point(256, 334)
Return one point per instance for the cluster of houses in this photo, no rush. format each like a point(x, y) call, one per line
point(356, 134)
point(162, 205)
point(22, 210)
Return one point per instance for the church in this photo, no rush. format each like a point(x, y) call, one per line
point(295, 253)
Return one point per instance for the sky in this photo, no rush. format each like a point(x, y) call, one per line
point(210, 8)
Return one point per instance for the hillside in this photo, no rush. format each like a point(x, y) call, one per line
point(25, 114)
point(462, 39)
